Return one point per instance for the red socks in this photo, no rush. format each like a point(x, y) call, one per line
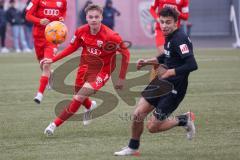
point(43, 84)
point(67, 112)
point(87, 103)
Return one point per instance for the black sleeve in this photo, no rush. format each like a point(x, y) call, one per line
point(161, 58)
point(183, 46)
point(189, 65)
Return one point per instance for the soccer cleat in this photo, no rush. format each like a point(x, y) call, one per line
point(50, 129)
point(87, 116)
point(190, 126)
point(18, 51)
point(126, 151)
point(27, 50)
point(38, 98)
point(4, 50)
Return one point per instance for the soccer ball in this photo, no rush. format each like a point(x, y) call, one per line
point(56, 32)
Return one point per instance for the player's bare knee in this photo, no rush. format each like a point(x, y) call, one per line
point(46, 67)
point(138, 115)
point(138, 111)
point(152, 128)
point(154, 125)
point(79, 98)
point(136, 118)
point(86, 91)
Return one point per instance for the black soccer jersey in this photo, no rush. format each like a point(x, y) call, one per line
point(178, 53)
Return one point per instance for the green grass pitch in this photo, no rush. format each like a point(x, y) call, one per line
point(213, 94)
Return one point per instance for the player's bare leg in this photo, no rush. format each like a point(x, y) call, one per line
point(141, 112)
point(139, 115)
point(87, 103)
point(50, 80)
point(87, 89)
point(71, 109)
point(185, 120)
point(154, 125)
point(46, 71)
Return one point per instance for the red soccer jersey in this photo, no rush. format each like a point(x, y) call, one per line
point(50, 9)
point(99, 51)
point(181, 5)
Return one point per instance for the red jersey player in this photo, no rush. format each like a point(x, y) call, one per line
point(42, 12)
point(98, 60)
point(182, 7)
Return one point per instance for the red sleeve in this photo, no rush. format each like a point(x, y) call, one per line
point(185, 10)
point(75, 43)
point(31, 9)
point(154, 8)
point(125, 61)
point(65, 9)
point(125, 57)
point(67, 51)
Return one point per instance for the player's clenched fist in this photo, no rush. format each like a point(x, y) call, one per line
point(46, 61)
point(44, 21)
point(140, 63)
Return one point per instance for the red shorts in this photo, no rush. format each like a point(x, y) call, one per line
point(160, 39)
point(43, 48)
point(96, 80)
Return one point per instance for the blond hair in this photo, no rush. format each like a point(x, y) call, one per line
point(93, 7)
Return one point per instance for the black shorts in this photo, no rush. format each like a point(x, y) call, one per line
point(164, 96)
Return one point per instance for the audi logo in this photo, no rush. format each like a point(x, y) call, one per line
point(51, 12)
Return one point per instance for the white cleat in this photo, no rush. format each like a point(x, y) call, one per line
point(4, 50)
point(190, 127)
point(38, 98)
point(27, 50)
point(126, 151)
point(18, 51)
point(50, 129)
point(87, 116)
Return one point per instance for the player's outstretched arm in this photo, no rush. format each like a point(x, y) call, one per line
point(144, 62)
point(66, 52)
point(124, 66)
point(119, 84)
point(168, 73)
point(46, 61)
point(189, 65)
point(74, 45)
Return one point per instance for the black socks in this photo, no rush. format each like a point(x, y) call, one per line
point(134, 144)
point(182, 120)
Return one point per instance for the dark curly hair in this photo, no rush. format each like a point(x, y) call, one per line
point(169, 12)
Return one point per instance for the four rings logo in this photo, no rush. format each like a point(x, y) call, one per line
point(51, 12)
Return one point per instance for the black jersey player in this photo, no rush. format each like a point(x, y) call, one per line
point(179, 61)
